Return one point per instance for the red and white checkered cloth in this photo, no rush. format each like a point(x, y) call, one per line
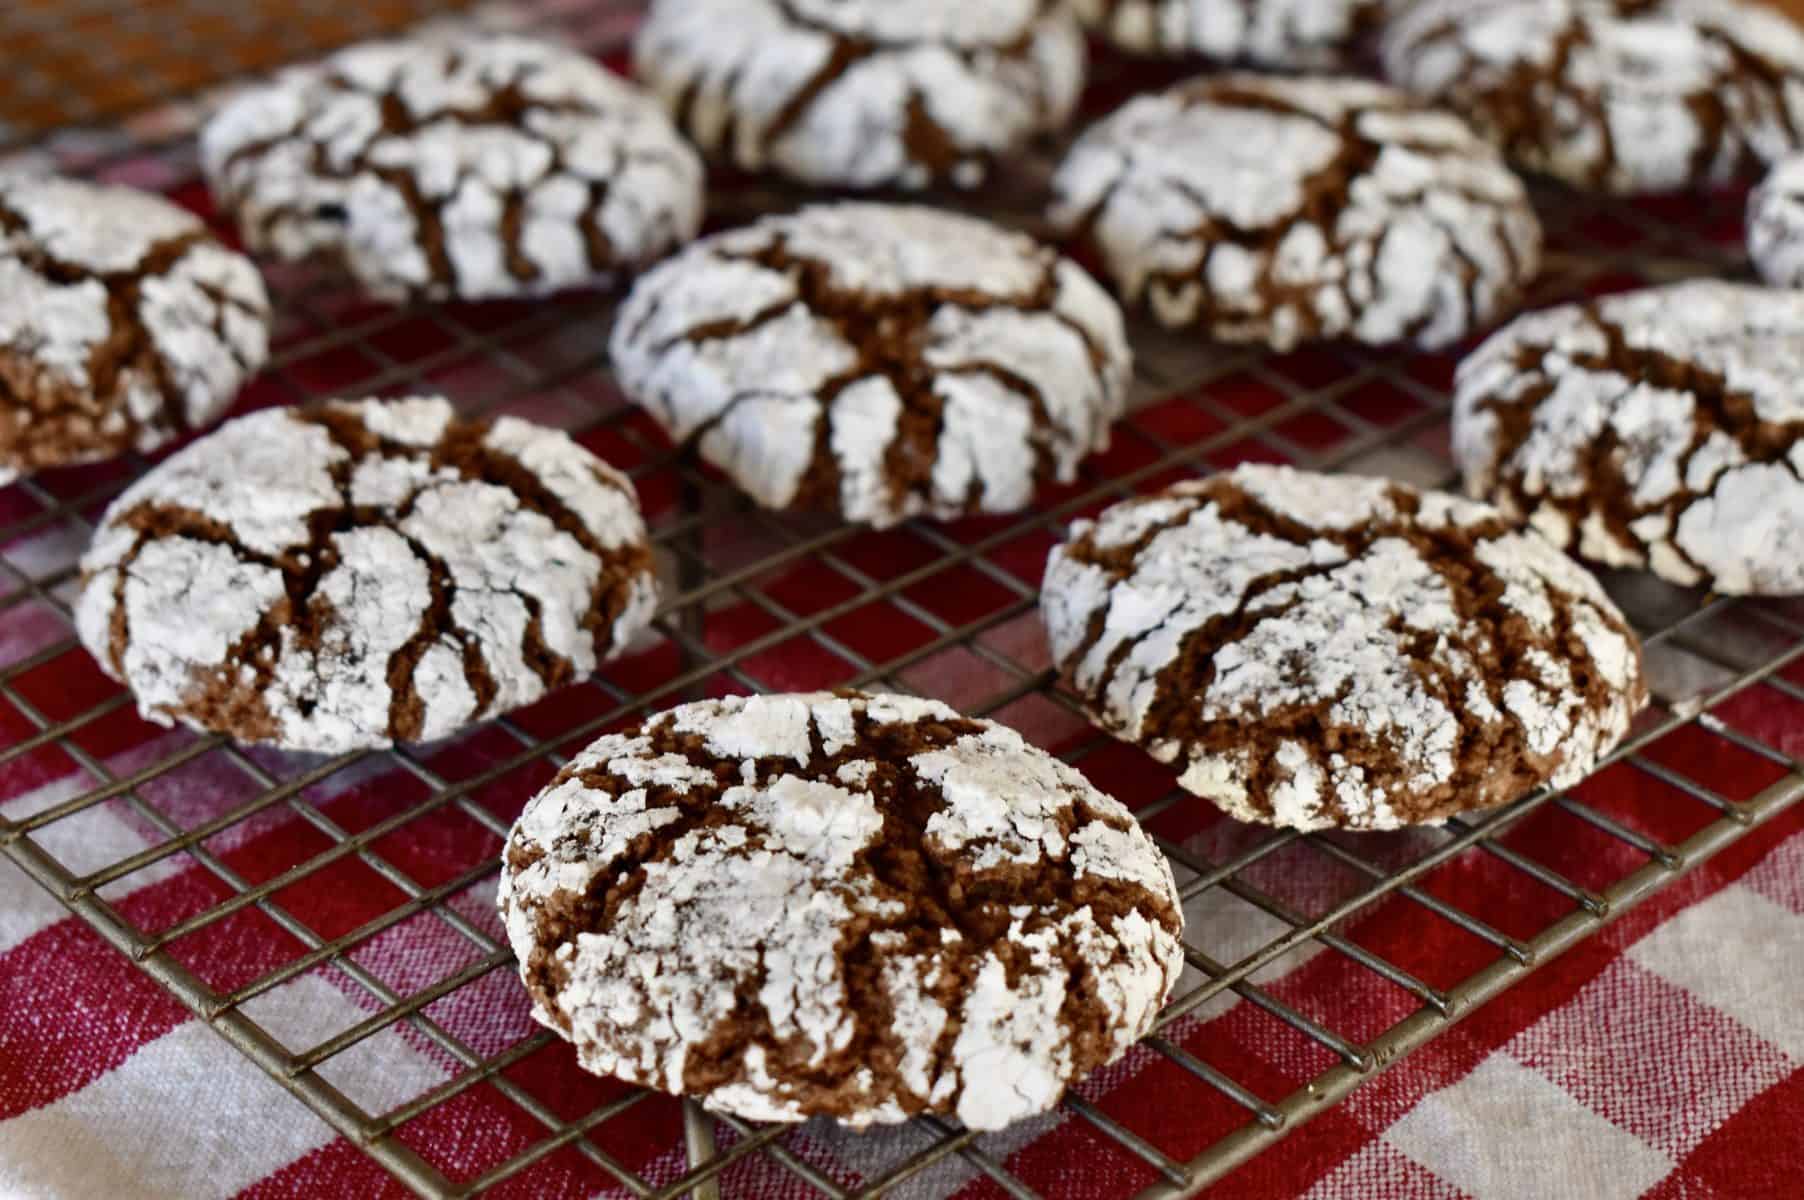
point(1664, 1057)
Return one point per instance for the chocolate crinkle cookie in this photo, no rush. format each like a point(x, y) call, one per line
point(1612, 95)
point(356, 574)
point(1776, 224)
point(864, 93)
point(1319, 651)
point(862, 907)
point(1662, 428)
point(124, 323)
point(1283, 34)
point(877, 361)
point(470, 168)
point(1260, 209)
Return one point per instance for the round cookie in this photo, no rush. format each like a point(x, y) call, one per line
point(1259, 209)
point(357, 574)
point(1612, 95)
point(1285, 34)
point(474, 168)
point(124, 323)
point(1776, 224)
point(877, 361)
point(1662, 428)
point(864, 93)
point(863, 907)
point(1317, 651)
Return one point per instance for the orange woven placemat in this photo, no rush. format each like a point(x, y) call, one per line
point(84, 61)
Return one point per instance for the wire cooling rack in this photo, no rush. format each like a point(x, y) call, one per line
point(757, 602)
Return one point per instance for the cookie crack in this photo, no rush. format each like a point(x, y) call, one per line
point(1117, 562)
point(1040, 434)
point(464, 450)
point(1015, 46)
point(927, 141)
point(304, 617)
point(1716, 408)
point(509, 108)
point(935, 892)
point(53, 407)
point(1326, 193)
point(438, 625)
point(1179, 30)
point(888, 334)
point(1521, 127)
point(1489, 643)
point(1774, 80)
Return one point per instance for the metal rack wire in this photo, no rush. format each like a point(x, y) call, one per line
point(761, 602)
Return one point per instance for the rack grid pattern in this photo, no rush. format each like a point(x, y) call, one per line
point(759, 602)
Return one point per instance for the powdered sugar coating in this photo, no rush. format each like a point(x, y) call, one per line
point(1662, 428)
point(879, 361)
point(1312, 34)
point(1279, 210)
point(1776, 224)
point(866, 907)
point(473, 168)
point(864, 93)
point(1316, 651)
point(1612, 95)
point(123, 323)
point(348, 576)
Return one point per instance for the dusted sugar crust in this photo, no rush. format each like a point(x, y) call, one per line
point(1261, 209)
point(1612, 95)
point(864, 93)
point(475, 168)
point(863, 907)
point(356, 574)
point(1776, 224)
point(123, 323)
point(1661, 429)
point(878, 361)
point(1290, 34)
point(1318, 651)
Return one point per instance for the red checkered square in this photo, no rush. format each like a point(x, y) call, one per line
point(1314, 432)
point(1752, 1155)
point(1244, 395)
point(1178, 421)
point(1380, 1169)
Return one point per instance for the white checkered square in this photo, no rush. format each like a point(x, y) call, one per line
point(1780, 876)
point(1504, 1132)
point(1738, 952)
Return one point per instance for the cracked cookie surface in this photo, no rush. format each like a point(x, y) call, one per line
point(1662, 429)
point(466, 169)
point(357, 574)
point(1287, 34)
point(863, 907)
point(1318, 651)
point(124, 323)
point(1612, 95)
point(864, 93)
point(1277, 210)
point(877, 361)
point(1776, 224)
